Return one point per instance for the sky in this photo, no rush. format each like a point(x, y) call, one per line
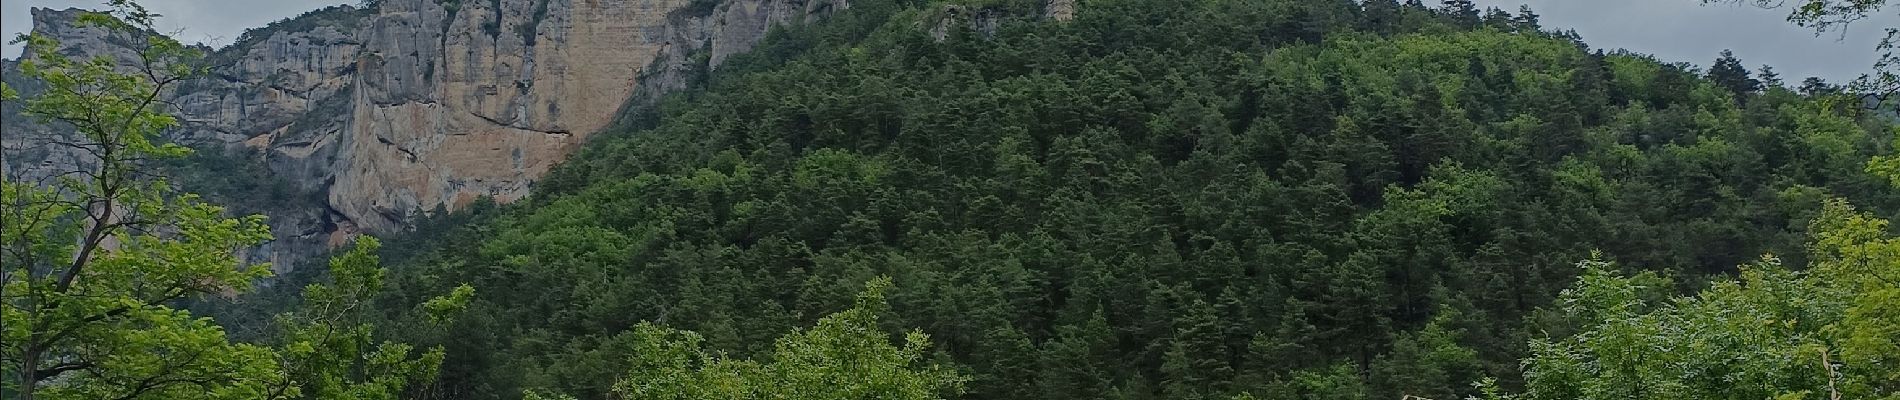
point(1672, 30)
point(1686, 30)
point(213, 22)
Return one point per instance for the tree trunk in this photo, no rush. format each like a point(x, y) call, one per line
point(29, 363)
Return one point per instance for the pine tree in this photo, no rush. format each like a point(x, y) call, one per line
point(1078, 362)
point(1429, 362)
point(1195, 361)
point(1527, 20)
point(1382, 16)
point(1497, 18)
point(1729, 73)
point(1815, 86)
point(1462, 12)
point(1769, 79)
point(1008, 356)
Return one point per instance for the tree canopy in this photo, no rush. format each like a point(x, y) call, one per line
point(1155, 199)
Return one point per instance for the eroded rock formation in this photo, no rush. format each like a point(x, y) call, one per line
point(379, 115)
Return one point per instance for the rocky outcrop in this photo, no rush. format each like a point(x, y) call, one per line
point(462, 100)
point(1059, 10)
point(386, 113)
point(985, 20)
point(982, 20)
point(28, 156)
point(267, 93)
point(705, 34)
point(24, 154)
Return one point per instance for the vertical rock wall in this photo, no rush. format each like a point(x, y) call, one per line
point(376, 116)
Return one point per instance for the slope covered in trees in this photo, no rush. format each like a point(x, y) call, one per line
point(1156, 199)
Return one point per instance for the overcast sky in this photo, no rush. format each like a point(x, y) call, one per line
point(1673, 30)
point(214, 22)
point(1686, 30)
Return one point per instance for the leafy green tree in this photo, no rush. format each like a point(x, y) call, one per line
point(1753, 338)
point(328, 348)
point(1827, 332)
point(93, 262)
point(96, 260)
point(845, 356)
point(1857, 260)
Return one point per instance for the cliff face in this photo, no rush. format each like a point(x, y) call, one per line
point(383, 114)
point(26, 156)
point(460, 101)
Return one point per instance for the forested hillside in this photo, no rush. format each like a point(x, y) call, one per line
point(1153, 199)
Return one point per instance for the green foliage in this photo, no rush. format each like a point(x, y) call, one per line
point(1421, 362)
point(1858, 256)
point(94, 265)
point(1773, 333)
point(1156, 199)
point(329, 352)
point(444, 309)
point(1825, 332)
point(93, 262)
point(846, 356)
point(1728, 73)
point(236, 178)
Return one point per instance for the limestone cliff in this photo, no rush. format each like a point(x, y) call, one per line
point(384, 113)
point(460, 100)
